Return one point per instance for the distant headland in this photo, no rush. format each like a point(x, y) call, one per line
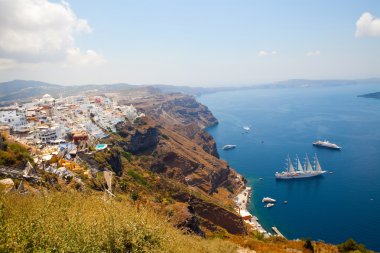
point(375, 95)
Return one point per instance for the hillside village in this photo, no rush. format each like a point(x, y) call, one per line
point(59, 128)
point(48, 120)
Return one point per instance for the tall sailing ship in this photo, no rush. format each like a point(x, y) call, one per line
point(301, 171)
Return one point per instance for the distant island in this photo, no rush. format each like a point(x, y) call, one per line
point(375, 95)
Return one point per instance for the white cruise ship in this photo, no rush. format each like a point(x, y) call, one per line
point(326, 144)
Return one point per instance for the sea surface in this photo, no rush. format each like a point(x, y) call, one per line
point(332, 208)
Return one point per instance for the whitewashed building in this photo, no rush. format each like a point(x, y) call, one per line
point(13, 117)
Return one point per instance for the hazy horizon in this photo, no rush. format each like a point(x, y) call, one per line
point(198, 43)
point(200, 85)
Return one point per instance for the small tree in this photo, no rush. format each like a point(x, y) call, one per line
point(351, 246)
point(308, 245)
point(135, 196)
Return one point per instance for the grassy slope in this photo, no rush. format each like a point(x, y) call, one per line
point(12, 153)
point(93, 222)
point(73, 222)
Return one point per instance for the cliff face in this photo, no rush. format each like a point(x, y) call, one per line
point(103, 160)
point(193, 117)
point(175, 153)
point(181, 114)
point(188, 111)
point(215, 214)
point(139, 139)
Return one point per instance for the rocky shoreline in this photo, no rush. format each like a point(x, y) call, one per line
point(242, 200)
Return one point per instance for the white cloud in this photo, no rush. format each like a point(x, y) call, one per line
point(7, 63)
point(90, 57)
point(262, 53)
point(34, 31)
point(368, 25)
point(313, 53)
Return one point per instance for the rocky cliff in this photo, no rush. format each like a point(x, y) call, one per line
point(215, 214)
point(1, 142)
point(137, 139)
point(181, 114)
point(105, 160)
point(187, 155)
point(171, 141)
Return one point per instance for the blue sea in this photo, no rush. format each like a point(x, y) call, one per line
point(332, 208)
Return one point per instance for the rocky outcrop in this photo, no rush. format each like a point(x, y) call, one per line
point(103, 160)
point(199, 136)
point(1, 142)
point(137, 140)
point(189, 111)
point(219, 216)
point(183, 216)
point(207, 143)
point(184, 115)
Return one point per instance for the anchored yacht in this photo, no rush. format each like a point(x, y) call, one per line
point(226, 147)
point(326, 144)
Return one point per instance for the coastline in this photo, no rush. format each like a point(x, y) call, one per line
point(242, 200)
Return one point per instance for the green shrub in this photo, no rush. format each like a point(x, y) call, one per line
point(127, 156)
point(7, 159)
point(137, 177)
point(144, 158)
point(137, 121)
point(257, 235)
point(123, 184)
point(230, 189)
point(308, 245)
point(351, 246)
point(165, 136)
point(135, 196)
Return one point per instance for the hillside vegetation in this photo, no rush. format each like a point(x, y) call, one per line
point(77, 222)
point(94, 222)
point(12, 153)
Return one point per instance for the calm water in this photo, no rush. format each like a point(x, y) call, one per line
point(332, 208)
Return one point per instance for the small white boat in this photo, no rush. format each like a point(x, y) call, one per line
point(247, 128)
point(269, 205)
point(268, 200)
point(229, 146)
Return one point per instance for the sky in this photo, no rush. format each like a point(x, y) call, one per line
point(188, 42)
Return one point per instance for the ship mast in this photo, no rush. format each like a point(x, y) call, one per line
point(299, 166)
point(317, 165)
point(290, 165)
point(308, 167)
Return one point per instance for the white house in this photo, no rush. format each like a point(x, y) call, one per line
point(13, 117)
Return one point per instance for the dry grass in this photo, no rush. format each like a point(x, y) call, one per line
point(75, 222)
point(280, 245)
